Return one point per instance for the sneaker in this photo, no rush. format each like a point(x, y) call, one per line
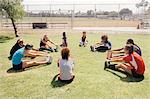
point(92, 48)
point(107, 63)
point(49, 60)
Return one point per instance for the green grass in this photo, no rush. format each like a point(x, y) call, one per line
point(91, 81)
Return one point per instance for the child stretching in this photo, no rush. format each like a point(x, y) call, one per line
point(64, 40)
point(133, 62)
point(118, 52)
point(83, 41)
point(66, 65)
point(103, 46)
point(47, 44)
point(18, 62)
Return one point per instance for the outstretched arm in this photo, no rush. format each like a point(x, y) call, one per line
point(116, 59)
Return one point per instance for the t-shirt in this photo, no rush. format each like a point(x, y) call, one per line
point(14, 49)
point(17, 57)
point(136, 61)
point(108, 44)
point(42, 44)
point(83, 39)
point(137, 49)
point(66, 69)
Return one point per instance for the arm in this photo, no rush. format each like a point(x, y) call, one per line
point(116, 59)
point(58, 62)
point(118, 49)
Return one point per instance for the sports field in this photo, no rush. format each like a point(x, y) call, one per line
point(91, 81)
point(78, 22)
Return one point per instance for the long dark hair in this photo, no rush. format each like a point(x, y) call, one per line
point(64, 35)
point(129, 47)
point(65, 53)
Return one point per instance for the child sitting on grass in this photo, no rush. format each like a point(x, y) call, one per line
point(133, 63)
point(120, 52)
point(19, 64)
point(64, 40)
point(19, 44)
point(83, 41)
point(103, 46)
point(47, 44)
point(66, 65)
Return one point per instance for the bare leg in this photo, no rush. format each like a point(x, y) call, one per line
point(27, 64)
point(127, 68)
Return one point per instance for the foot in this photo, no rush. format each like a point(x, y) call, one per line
point(107, 63)
point(92, 48)
point(49, 60)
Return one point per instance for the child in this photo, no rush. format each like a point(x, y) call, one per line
point(83, 41)
point(121, 50)
point(19, 64)
point(19, 44)
point(64, 40)
point(46, 44)
point(66, 65)
point(103, 46)
point(134, 64)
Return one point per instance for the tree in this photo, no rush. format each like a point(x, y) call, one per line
point(90, 12)
point(113, 14)
point(125, 12)
point(14, 10)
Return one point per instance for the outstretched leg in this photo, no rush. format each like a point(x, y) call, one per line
point(27, 64)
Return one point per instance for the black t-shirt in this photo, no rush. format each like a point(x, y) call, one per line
point(42, 43)
point(83, 39)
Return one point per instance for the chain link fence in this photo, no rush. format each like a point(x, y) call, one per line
point(81, 15)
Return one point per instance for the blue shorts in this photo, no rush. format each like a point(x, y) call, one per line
point(18, 67)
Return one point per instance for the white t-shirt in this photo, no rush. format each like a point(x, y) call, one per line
point(66, 69)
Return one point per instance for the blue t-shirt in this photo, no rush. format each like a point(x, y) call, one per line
point(17, 57)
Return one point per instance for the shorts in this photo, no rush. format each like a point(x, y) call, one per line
point(102, 48)
point(136, 75)
point(66, 81)
point(18, 67)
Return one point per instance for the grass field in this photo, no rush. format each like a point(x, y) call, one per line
point(91, 81)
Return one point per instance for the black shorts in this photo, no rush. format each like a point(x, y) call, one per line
point(102, 48)
point(136, 75)
point(18, 67)
point(66, 81)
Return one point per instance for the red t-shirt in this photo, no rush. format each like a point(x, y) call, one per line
point(136, 61)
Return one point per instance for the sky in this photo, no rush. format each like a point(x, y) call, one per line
point(81, 7)
point(79, 1)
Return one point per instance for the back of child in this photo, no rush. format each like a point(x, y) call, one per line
point(66, 65)
point(64, 40)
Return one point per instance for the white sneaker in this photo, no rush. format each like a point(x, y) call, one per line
point(49, 60)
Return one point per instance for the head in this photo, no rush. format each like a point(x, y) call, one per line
point(20, 42)
point(130, 41)
point(65, 53)
point(45, 38)
point(28, 47)
point(64, 34)
point(128, 49)
point(104, 38)
point(84, 33)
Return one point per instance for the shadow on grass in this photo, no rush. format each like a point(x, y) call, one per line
point(56, 83)
point(11, 70)
point(128, 78)
point(3, 39)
